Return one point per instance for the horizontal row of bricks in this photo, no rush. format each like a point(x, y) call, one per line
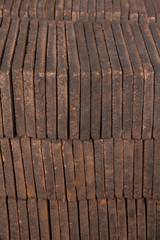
point(99, 10)
point(76, 170)
point(93, 219)
point(79, 81)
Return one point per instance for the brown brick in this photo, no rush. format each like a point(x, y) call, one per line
point(23, 219)
point(4, 224)
point(54, 218)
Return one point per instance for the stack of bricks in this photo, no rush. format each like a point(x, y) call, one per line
point(80, 119)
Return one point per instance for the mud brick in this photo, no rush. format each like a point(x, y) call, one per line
point(39, 81)
point(8, 168)
point(28, 167)
point(51, 82)
point(33, 219)
point(113, 225)
point(50, 9)
point(43, 219)
point(158, 220)
point(4, 29)
point(74, 82)
point(41, 10)
point(106, 82)
point(155, 31)
point(108, 10)
point(128, 168)
point(127, 79)
point(109, 172)
point(100, 11)
point(84, 10)
point(68, 10)
point(91, 10)
point(151, 219)
point(118, 168)
point(89, 169)
point(69, 170)
point(121, 216)
point(18, 169)
point(99, 169)
point(38, 169)
point(73, 220)
point(116, 82)
point(131, 213)
point(59, 10)
point(7, 7)
point(48, 168)
point(141, 219)
point(85, 82)
point(93, 219)
point(62, 82)
point(138, 168)
point(24, 9)
point(150, 11)
point(154, 56)
point(133, 11)
point(4, 228)
point(15, 8)
point(95, 82)
point(79, 169)
point(17, 79)
point(156, 170)
point(33, 9)
point(75, 10)
point(58, 170)
point(63, 216)
point(54, 218)
point(142, 12)
point(13, 219)
point(137, 81)
point(103, 219)
point(148, 168)
point(23, 219)
point(2, 180)
point(124, 6)
point(156, 5)
point(148, 83)
point(1, 119)
point(28, 73)
point(6, 92)
point(83, 220)
point(116, 10)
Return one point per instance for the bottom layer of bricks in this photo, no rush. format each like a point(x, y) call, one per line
point(90, 219)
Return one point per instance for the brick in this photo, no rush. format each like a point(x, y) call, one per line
point(113, 225)
point(84, 10)
point(73, 220)
point(100, 11)
point(59, 11)
point(54, 219)
point(116, 11)
point(2, 179)
point(23, 219)
point(63, 216)
point(93, 219)
point(103, 219)
point(156, 170)
point(121, 216)
point(141, 219)
point(43, 219)
point(158, 220)
point(108, 10)
point(41, 10)
point(67, 10)
point(15, 8)
point(24, 9)
point(91, 10)
point(131, 210)
point(13, 219)
point(151, 219)
point(76, 10)
point(50, 10)
point(84, 220)
point(124, 6)
point(33, 9)
point(118, 168)
point(4, 225)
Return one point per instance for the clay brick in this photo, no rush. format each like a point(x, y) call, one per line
point(99, 169)
point(103, 219)
point(67, 10)
point(4, 29)
point(39, 81)
point(79, 169)
point(7, 7)
point(24, 9)
point(108, 10)
point(59, 12)
point(141, 219)
point(142, 12)
point(69, 170)
point(54, 218)
point(74, 82)
point(84, 220)
point(48, 168)
point(50, 10)
point(156, 173)
point(158, 220)
point(58, 170)
point(62, 82)
point(63, 216)
point(13, 219)
point(2, 180)
point(109, 169)
point(28, 167)
point(38, 168)
point(28, 79)
point(106, 82)
point(33, 9)
point(84, 10)
point(51, 104)
point(33, 219)
point(43, 219)
point(15, 8)
point(113, 225)
point(6, 93)
point(89, 169)
point(121, 216)
point(73, 220)
point(91, 10)
point(116, 82)
point(23, 219)
point(124, 7)
point(151, 219)
point(151, 17)
point(100, 11)
point(4, 225)
point(116, 11)
point(133, 11)
point(95, 81)
point(85, 82)
point(8, 168)
point(131, 214)
point(76, 10)
point(41, 10)
point(18, 169)
point(93, 219)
